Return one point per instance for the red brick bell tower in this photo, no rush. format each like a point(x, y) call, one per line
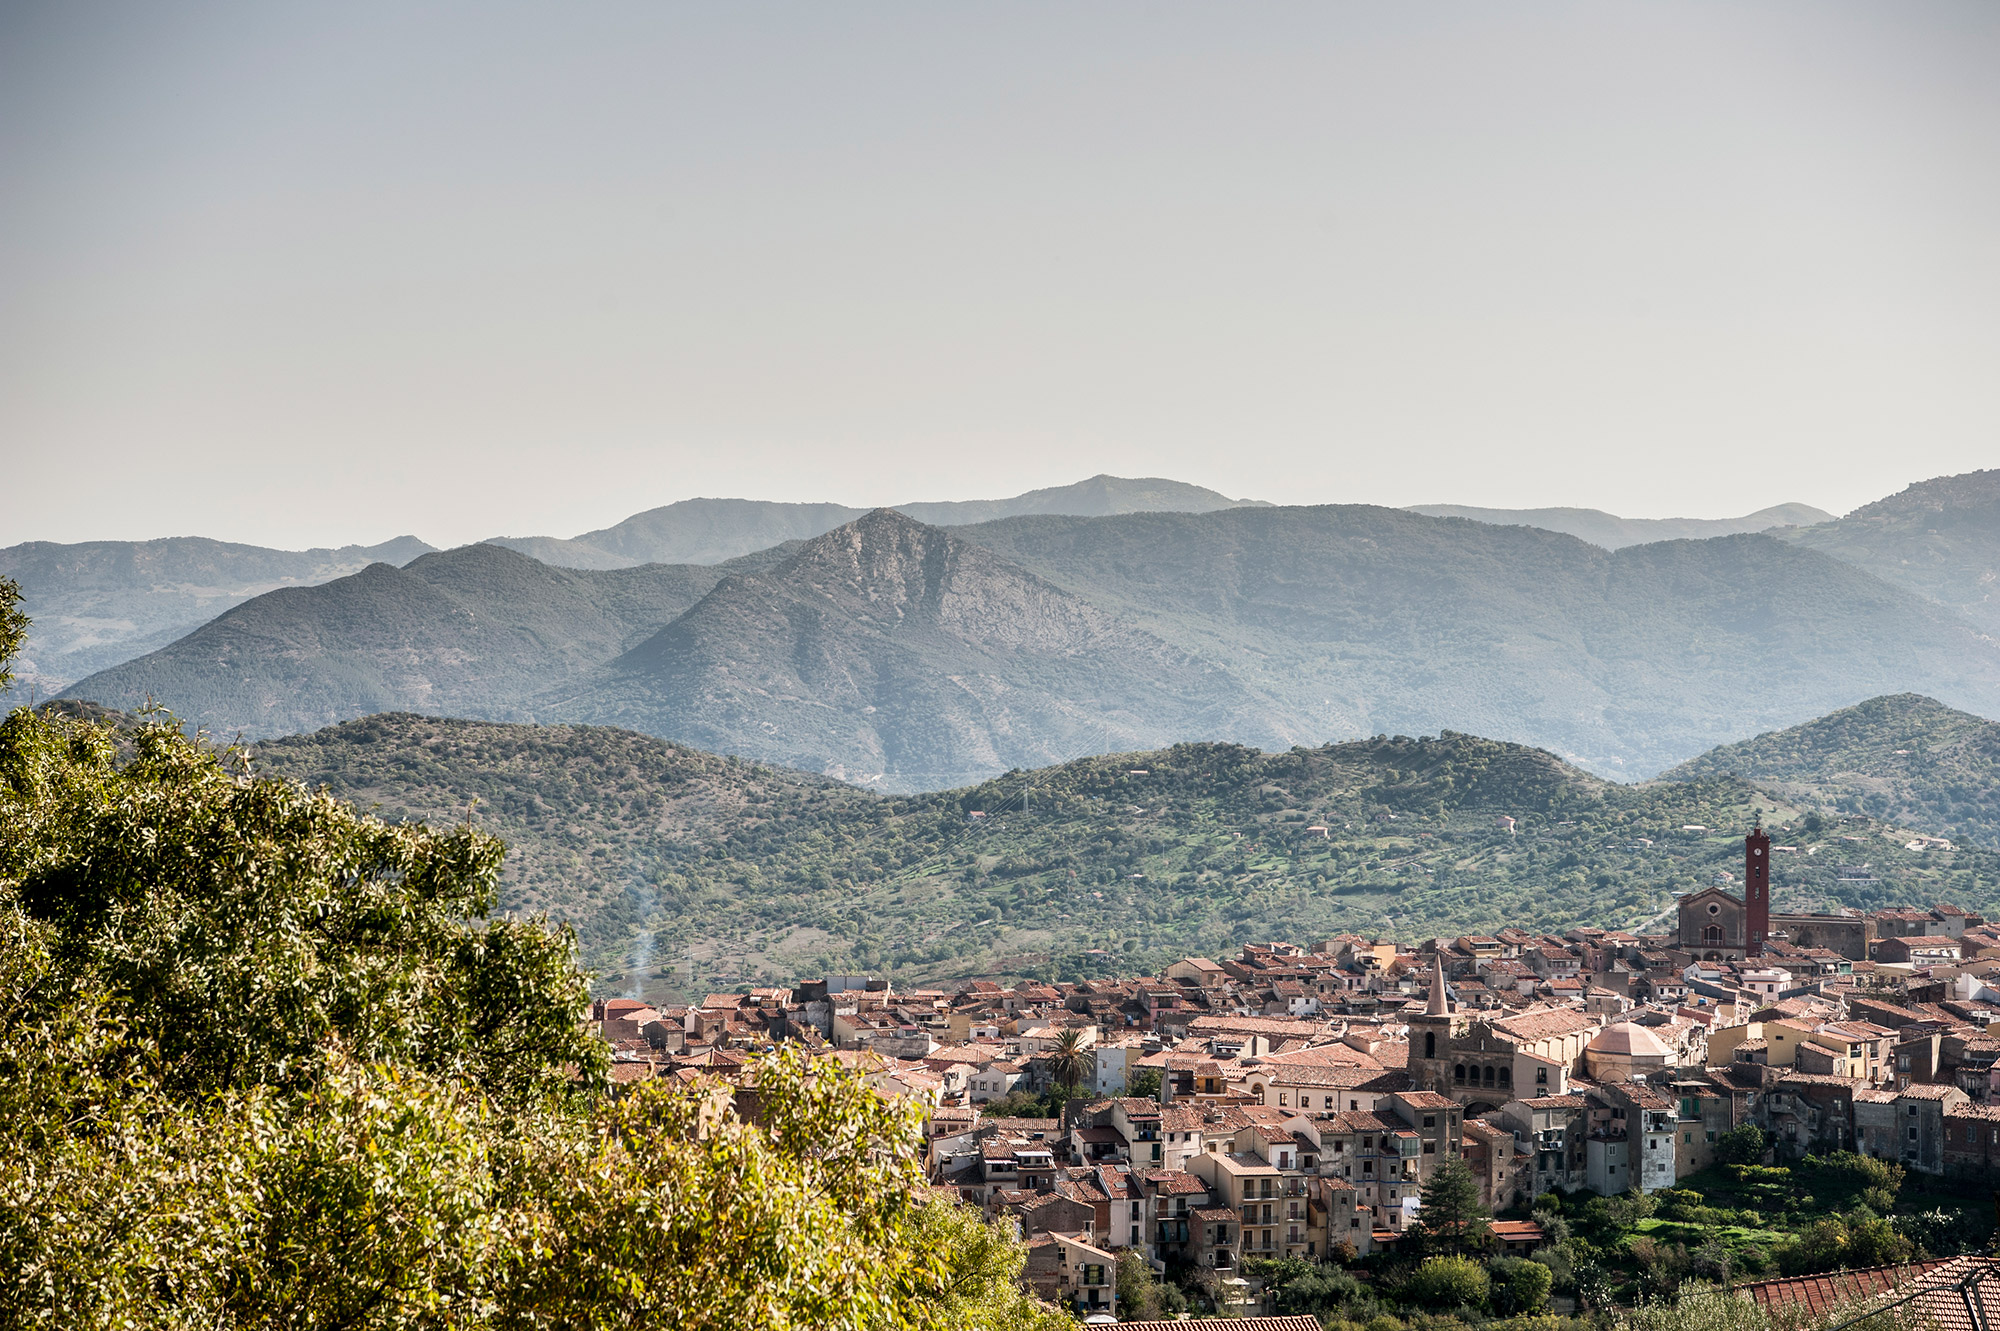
point(1756, 890)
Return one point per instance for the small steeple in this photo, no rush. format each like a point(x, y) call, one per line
point(1436, 1007)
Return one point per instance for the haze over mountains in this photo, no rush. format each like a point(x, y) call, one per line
point(97, 603)
point(708, 531)
point(1940, 538)
point(1614, 533)
point(906, 657)
point(891, 652)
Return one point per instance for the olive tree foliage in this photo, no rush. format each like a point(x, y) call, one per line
point(267, 1062)
point(808, 1211)
point(248, 926)
point(13, 629)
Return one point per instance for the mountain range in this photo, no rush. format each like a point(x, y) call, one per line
point(97, 603)
point(685, 871)
point(708, 531)
point(912, 657)
point(1614, 533)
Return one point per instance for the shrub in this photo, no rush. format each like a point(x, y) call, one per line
point(1743, 1145)
point(1703, 1309)
point(1682, 1204)
point(1449, 1282)
point(1520, 1286)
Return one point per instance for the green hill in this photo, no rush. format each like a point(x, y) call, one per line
point(1940, 538)
point(666, 857)
point(1907, 758)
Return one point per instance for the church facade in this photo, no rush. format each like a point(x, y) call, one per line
point(1715, 925)
point(1483, 1061)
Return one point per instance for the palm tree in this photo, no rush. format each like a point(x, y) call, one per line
point(1067, 1058)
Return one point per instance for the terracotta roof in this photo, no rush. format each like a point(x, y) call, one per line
point(1427, 1100)
point(1516, 1231)
point(1626, 1038)
point(1835, 1291)
point(1541, 1025)
point(1339, 1076)
point(623, 1074)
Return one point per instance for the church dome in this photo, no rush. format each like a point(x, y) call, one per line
point(1628, 1039)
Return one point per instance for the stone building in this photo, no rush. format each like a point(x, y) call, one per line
point(1484, 1061)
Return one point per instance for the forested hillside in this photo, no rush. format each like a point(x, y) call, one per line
point(1907, 757)
point(729, 872)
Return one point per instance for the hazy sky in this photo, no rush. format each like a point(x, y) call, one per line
point(313, 273)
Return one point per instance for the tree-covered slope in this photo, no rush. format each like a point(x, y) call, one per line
point(1904, 757)
point(475, 631)
point(1354, 620)
point(97, 603)
point(675, 863)
point(591, 814)
point(1940, 538)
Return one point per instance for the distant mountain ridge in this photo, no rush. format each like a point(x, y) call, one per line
point(1904, 758)
point(97, 603)
point(1361, 620)
point(708, 531)
point(1615, 533)
point(476, 631)
point(911, 656)
point(897, 655)
point(1940, 538)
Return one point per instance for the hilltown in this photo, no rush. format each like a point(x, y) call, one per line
point(1307, 1092)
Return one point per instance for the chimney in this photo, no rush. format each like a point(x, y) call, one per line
point(1756, 890)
